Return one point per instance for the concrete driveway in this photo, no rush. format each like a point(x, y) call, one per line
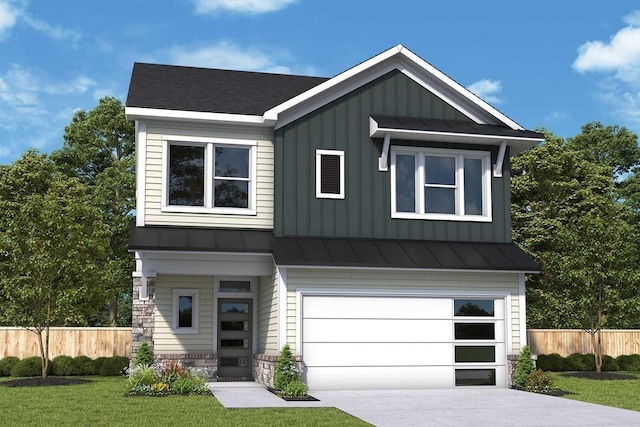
point(495, 407)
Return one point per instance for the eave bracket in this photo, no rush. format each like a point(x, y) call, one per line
point(383, 161)
point(497, 168)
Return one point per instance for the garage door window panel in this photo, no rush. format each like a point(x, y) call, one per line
point(475, 354)
point(475, 377)
point(475, 331)
point(474, 307)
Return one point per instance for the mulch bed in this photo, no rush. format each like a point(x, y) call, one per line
point(306, 398)
point(39, 382)
point(599, 375)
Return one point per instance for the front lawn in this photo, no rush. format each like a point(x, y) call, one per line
point(617, 393)
point(102, 403)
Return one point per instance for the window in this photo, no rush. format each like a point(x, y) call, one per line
point(207, 175)
point(474, 307)
point(185, 311)
point(329, 174)
point(440, 184)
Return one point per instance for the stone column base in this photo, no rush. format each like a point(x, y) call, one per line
point(264, 368)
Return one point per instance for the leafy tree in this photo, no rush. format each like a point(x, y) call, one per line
point(566, 214)
point(99, 149)
point(50, 237)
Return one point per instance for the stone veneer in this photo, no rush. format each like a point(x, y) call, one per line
point(142, 321)
point(512, 363)
point(264, 368)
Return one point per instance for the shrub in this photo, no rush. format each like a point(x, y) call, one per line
point(97, 364)
point(142, 375)
point(63, 366)
point(551, 362)
point(187, 385)
point(609, 364)
point(295, 388)
point(84, 365)
point(28, 367)
point(575, 362)
point(7, 364)
point(524, 367)
point(144, 356)
point(114, 366)
point(286, 369)
point(540, 382)
point(589, 361)
point(629, 362)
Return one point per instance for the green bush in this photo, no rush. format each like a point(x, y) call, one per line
point(574, 362)
point(540, 382)
point(144, 356)
point(609, 364)
point(551, 362)
point(63, 366)
point(7, 364)
point(28, 367)
point(524, 367)
point(84, 365)
point(295, 388)
point(589, 361)
point(286, 369)
point(97, 364)
point(189, 385)
point(629, 362)
point(142, 375)
point(114, 366)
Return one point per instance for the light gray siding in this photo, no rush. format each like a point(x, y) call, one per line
point(268, 314)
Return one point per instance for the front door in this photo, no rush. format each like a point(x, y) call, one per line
point(235, 319)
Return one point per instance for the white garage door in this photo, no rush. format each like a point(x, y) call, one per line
point(366, 342)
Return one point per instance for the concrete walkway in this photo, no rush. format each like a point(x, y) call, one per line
point(458, 407)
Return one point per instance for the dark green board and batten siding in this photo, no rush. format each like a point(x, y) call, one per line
point(365, 212)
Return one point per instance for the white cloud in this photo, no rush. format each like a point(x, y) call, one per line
point(227, 55)
point(55, 32)
point(557, 116)
point(242, 6)
point(487, 90)
point(618, 60)
point(8, 18)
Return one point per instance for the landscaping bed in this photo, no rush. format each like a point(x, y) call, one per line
point(40, 382)
point(306, 398)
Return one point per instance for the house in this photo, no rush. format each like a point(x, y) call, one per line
point(362, 219)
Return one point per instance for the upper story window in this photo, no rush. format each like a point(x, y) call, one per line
point(207, 175)
point(329, 174)
point(429, 183)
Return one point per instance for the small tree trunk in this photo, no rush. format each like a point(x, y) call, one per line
point(39, 331)
point(113, 312)
point(45, 358)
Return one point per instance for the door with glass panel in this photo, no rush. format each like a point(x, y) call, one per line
point(234, 338)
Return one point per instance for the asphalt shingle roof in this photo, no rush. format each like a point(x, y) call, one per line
point(209, 90)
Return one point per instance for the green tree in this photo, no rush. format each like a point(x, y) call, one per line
point(50, 238)
point(566, 214)
point(99, 149)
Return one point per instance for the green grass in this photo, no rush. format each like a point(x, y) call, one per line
point(102, 403)
point(617, 393)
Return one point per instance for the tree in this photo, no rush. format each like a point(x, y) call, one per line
point(567, 215)
point(99, 149)
point(50, 238)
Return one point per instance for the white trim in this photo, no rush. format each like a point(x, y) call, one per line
point(141, 171)
point(138, 113)
point(282, 307)
point(319, 193)
point(497, 168)
point(209, 145)
point(195, 294)
point(252, 286)
point(383, 161)
point(522, 309)
point(420, 184)
point(508, 324)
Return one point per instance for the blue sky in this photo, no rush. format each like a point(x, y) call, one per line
point(545, 63)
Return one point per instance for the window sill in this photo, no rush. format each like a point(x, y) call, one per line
point(441, 217)
point(210, 211)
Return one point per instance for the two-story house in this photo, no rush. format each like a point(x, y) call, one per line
point(362, 219)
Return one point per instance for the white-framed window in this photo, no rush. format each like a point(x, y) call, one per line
point(329, 174)
point(209, 175)
point(430, 183)
point(185, 311)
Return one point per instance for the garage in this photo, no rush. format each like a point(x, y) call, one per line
point(360, 341)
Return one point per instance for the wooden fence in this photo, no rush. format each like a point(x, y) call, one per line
point(92, 342)
point(615, 342)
